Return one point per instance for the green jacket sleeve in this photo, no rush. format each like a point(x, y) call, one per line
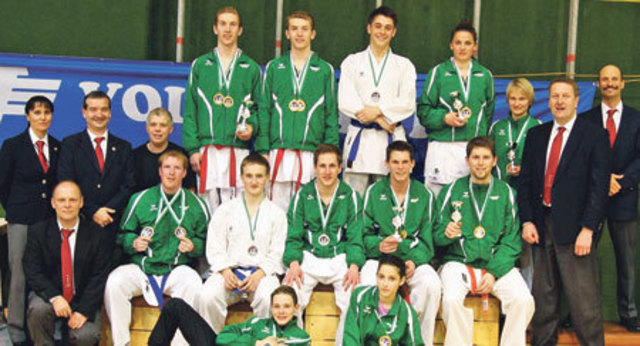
point(129, 227)
point(237, 334)
point(256, 85)
point(430, 114)
point(423, 254)
point(190, 140)
point(444, 217)
point(331, 134)
point(352, 335)
point(369, 233)
point(415, 338)
point(491, 99)
point(355, 250)
point(265, 107)
point(295, 234)
point(509, 245)
point(200, 232)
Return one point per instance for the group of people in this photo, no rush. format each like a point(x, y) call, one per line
point(255, 206)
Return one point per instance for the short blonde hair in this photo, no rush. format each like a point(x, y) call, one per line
point(162, 112)
point(175, 154)
point(229, 9)
point(522, 85)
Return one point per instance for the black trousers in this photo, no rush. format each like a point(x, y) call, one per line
point(558, 268)
point(178, 314)
point(623, 236)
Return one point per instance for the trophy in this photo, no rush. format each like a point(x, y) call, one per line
point(511, 155)
point(463, 111)
point(397, 223)
point(456, 216)
point(245, 113)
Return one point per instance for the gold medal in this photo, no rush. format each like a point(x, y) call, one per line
point(218, 99)
point(301, 106)
point(404, 234)
point(465, 113)
point(385, 340)
point(228, 101)
point(293, 105)
point(479, 232)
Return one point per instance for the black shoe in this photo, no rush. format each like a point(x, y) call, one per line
point(566, 323)
point(631, 324)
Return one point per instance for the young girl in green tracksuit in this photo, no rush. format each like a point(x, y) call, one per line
point(378, 315)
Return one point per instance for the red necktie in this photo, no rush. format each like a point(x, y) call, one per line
point(43, 160)
point(99, 153)
point(67, 265)
point(552, 166)
point(611, 126)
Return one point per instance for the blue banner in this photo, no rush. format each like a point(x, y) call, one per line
point(136, 87)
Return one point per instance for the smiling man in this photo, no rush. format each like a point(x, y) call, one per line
point(223, 86)
point(399, 214)
point(562, 196)
point(377, 91)
point(623, 126)
point(159, 126)
point(245, 244)
point(298, 110)
point(324, 242)
point(479, 231)
point(163, 229)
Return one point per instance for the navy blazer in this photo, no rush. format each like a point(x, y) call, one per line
point(581, 186)
point(25, 189)
point(91, 259)
point(111, 188)
point(623, 206)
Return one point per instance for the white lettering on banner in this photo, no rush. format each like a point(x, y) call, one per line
point(130, 104)
point(15, 90)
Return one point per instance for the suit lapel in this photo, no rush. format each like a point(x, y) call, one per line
point(112, 149)
point(53, 150)
point(89, 150)
point(623, 127)
point(541, 155)
point(572, 145)
point(31, 152)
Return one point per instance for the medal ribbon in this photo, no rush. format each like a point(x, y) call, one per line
point(378, 76)
point(297, 79)
point(405, 203)
point(394, 325)
point(480, 212)
point(520, 134)
point(465, 86)
point(325, 217)
point(224, 79)
point(252, 226)
point(163, 199)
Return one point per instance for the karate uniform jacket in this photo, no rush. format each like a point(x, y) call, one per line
point(344, 225)
point(499, 132)
point(204, 121)
point(282, 128)
point(421, 214)
point(229, 237)
point(437, 100)
point(500, 247)
point(142, 211)
point(247, 333)
point(363, 326)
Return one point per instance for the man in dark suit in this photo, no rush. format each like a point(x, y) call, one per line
point(562, 199)
point(66, 265)
point(27, 176)
point(101, 164)
point(623, 125)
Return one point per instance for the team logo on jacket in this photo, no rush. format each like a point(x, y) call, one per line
point(465, 194)
point(478, 74)
point(414, 200)
point(314, 68)
point(383, 197)
point(281, 66)
point(501, 132)
point(244, 65)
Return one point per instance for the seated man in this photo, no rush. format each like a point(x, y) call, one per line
point(281, 329)
point(324, 243)
point(66, 277)
point(399, 214)
point(163, 229)
point(244, 247)
point(478, 227)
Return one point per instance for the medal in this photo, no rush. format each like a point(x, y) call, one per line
point(147, 232)
point(479, 232)
point(404, 234)
point(465, 113)
point(218, 98)
point(324, 239)
point(297, 80)
point(375, 97)
point(293, 105)
point(228, 101)
point(180, 232)
point(301, 105)
point(253, 250)
point(385, 340)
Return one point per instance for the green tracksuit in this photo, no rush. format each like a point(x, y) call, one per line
point(206, 122)
point(142, 211)
point(436, 101)
point(364, 327)
point(499, 249)
point(499, 132)
point(281, 127)
point(256, 329)
point(420, 216)
point(343, 225)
